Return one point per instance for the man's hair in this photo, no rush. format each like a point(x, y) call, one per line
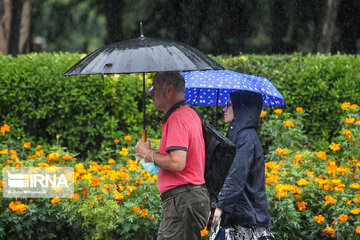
point(173, 78)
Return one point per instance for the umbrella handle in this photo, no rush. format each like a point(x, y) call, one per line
point(143, 135)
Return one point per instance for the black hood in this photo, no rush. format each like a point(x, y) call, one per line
point(247, 107)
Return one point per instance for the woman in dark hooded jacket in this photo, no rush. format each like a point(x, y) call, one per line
point(242, 210)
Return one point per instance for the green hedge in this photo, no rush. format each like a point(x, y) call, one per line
point(315, 82)
point(88, 114)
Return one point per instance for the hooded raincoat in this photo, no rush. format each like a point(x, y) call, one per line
point(243, 195)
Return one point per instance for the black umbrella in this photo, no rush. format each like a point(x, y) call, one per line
point(143, 55)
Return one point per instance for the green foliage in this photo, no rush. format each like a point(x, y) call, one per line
point(315, 82)
point(86, 112)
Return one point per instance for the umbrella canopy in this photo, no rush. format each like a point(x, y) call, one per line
point(212, 88)
point(142, 55)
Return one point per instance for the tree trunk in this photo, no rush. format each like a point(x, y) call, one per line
point(5, 25)
point(328, 26)
point(24, 40)
point(113, 11)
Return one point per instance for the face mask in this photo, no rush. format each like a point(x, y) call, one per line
point(150, 167)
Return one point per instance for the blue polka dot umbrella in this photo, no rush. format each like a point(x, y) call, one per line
point(212, 87)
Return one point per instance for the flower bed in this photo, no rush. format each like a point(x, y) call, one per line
point(312, 193)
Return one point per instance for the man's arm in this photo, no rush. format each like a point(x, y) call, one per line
point(174, 161)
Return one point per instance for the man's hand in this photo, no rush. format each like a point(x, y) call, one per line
point(141, 148)
point(217, 215)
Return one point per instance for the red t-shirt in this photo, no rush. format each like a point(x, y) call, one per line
point(182, 129)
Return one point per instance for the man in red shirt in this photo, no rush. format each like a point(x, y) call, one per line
point(185, 200)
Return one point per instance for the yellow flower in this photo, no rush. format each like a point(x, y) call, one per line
point(144, 212)
point(319, 218)
point(355, 211)
point(52, 157)
point(26, 145)
point(357, 229)
point(288, 123)
point(354, 106)
point(302, 205)
point(329, 230)
point(124, 152)
point(66, 157)
point(355, 186)
point(43, 165)
point(329, 200)
point(299, 109)
point(111, 161)
point(349, 120)
point(281, 151)
point(204, 232)
point(17, 206)
point(357, 122)
point(127, 138)
point(321, 155)
point(302, 182)
point(263, 114)
point(347, 133)
point(55, 200)
point(4, 128)
point(343, 218)
point(335, 147)
point(278, 111)
point(4, 151)
point(345, 105)
point(298, 157)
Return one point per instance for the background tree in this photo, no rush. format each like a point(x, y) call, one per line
point(15, 26)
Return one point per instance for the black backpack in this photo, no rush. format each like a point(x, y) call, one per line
point(219, 156)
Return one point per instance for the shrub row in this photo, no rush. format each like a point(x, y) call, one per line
point(88, 112)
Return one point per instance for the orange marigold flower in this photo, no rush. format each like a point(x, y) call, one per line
point(278, 111)
point(27, 145)
point(55, 200)
point(298, 157)
point(357, 229)
point(127, 138)
point(152, 218)
point(124, 152)
point(355, 185)
point(288, 123)
point(329, 200)
point(349, 120)
point(52, 157)
point(319, 218)
point(302, 205)
point(321, 155)
point(299, 109)
point(111, 161)
point(334, 222)
point(262, 114)
point(302, 182)
point(343, 218)
point(116, 140)
point(135, 210)
point(144, 212)
point(38, 146)
point(4, 151)
point(204, 232)
point(345, 105)
point(357, 122)
point(281, 151)
point(335, 147)
point(85, 190)
point(17, 206)
point(5, 128)
point(347, 133)
point(66, 157)
point(329, 230)
point(354, 106)
point(355, 211)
